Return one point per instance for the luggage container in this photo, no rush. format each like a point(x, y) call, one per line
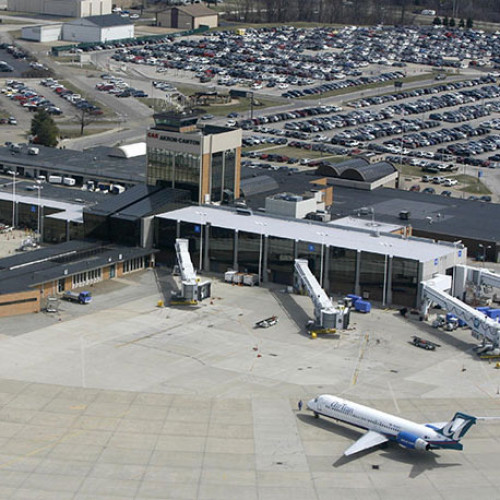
point(250, 279)
point(362, 306)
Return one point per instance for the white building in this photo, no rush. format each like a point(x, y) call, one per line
point(62, 8)
point(98, 29)
point(42, 32)
point(291, 205)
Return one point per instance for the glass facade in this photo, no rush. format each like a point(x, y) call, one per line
point(133, 265)
point(174, 169)
point(192, 232)
point(222, 178)
point(54, 230)
point(221, 249)
point(280, 260)
point(249, 249)
point(371, 276)
point(404, 282)
point(125, 232)
point(342, 270)
point(216, 182)
point(166, 232)
point(312, 253)
point(86, 278)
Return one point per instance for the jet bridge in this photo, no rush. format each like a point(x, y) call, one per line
point(436, 291)
point(480, 277)
point(326, 315)
point(192, 290)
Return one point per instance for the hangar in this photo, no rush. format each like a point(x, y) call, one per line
point(98, 29)
point(188, 17)
point(67, 8)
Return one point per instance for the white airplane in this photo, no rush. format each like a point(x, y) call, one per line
point(383, 427)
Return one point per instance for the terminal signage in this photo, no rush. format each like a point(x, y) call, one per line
point(178, 140)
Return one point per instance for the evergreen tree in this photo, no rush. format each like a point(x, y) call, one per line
point(44, 128)
point(437, 21)
point(461, 24)
point(470, 23)
point(452, 23)
point(445, 21)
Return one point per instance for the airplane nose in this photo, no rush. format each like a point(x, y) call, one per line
point(311, 405)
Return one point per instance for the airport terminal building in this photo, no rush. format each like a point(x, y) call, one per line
point(204, 161)
point(376, 262)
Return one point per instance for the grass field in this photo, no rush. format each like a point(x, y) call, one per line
point(471, 185)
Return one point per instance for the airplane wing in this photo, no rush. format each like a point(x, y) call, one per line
point(368, 440)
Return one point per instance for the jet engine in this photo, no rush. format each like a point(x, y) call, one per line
point(407, 440)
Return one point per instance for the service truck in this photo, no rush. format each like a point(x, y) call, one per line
point(80, 297)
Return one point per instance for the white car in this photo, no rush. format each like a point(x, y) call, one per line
point(450, 182)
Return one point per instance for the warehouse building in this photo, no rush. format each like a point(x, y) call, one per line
point(42, 32)
point(62, 8)
point(109, 27)
point(188, 17)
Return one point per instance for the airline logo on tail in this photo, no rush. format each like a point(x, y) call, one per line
point(458, 426)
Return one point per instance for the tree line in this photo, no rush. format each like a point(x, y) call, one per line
point(359, 11)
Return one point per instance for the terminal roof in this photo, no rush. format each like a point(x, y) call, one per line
point(95, 163)
point(314, 232)
point(24, 270)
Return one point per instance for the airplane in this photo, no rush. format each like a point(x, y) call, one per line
point(383, 427)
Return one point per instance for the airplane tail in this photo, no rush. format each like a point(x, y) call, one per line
point(458, 426)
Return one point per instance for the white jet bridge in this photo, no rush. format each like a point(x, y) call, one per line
point(192, 291)
point(436, 291)
point(327, 316)
point(480, 277)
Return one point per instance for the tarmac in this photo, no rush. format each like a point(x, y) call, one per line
point(122, 399)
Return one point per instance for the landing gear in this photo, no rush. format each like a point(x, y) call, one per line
point(316, 415)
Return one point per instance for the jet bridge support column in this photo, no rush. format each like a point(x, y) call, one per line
point(265, 276)
point(206, 248)
point(326, 266)
point(357, 272)
point(235, 250)
point(388, 282)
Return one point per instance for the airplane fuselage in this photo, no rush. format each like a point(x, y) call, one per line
point(405, 432)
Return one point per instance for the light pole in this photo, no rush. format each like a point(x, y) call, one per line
point(13, 197)
point(39, 214)
point(321, 260)
point(261, 224)
point(202, 220)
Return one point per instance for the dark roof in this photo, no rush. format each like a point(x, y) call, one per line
point(458, 218)
point(259, 184)
point(369, 173)
point(160, 201)
point(94, 162)
point(450, 218)
point(23, 271)
point(107, 20)
point(115, 204)
point(138, 201)
point(358, 169)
